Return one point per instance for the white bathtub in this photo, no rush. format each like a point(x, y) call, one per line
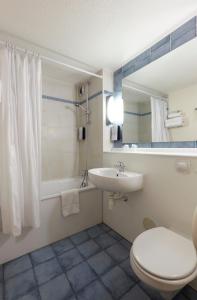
point(53, 225)
point(53, 188)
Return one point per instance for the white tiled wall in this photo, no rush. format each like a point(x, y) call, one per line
point(136, 128)
point(60, 157)
point(131, 123)
point(145, 123)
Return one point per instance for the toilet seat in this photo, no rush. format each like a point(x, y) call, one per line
point(162, 285)
point(165, 254)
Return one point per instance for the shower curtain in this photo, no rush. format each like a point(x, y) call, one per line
point(20, 137)
point(158, 116)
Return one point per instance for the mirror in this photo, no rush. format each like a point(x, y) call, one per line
point(160, 100)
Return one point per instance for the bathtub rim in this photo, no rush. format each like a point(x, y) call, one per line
point(91, 186)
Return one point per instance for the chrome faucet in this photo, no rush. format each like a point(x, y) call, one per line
point(120, 166)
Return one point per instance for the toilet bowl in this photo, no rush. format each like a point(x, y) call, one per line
point(164, 260)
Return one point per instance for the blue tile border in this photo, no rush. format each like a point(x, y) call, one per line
point(46, 97)
point(67, 101)
point(137, 114)
point(178, 37)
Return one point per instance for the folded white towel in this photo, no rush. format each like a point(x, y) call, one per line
point(175, 114)
point(175, 122)
point(114, 132)
point(70, 202)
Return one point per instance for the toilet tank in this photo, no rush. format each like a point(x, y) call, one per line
point(194, 228)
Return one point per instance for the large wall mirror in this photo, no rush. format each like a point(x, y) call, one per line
point(160, 99)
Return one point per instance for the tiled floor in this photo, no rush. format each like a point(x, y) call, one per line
point(91, 265)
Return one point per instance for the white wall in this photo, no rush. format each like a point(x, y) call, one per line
point(185, 100)
point(107, 86)
point(60, 155)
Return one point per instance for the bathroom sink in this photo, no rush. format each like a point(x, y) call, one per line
point(109, 179)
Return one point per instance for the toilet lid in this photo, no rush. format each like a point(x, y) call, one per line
point(164, 253)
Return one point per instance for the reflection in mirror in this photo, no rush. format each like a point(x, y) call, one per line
point(160, 99)
point(137, 117)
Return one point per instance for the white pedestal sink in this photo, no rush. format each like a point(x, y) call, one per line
point(108, 179)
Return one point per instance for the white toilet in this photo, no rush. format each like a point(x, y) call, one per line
point(164, 259)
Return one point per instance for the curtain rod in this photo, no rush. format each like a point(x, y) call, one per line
point(144, 92)
point(68, 66)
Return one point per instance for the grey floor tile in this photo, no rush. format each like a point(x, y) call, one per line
point(62, 246)
point(47, 270)
point(117, 282)
point(118, 252)
point(189, 292)
point(152, 293)
point(101, 262)
point(56, 289)
point(104, 227)
point(105, 240)
point(88, 248)
point(1, 291)
point(115, 235)
point(126, 266)
point(70, 258)
point(95, 231)
point(80, 276)
point(72, 298)
point(33, 295)
point(80, 237)
point(181, 297)
point(126, 244)
point(41, 255)
point(20, 285)
point(94, 291)
point(103, 248)
point(136, 293)
point(1, 273)
point(16, 266)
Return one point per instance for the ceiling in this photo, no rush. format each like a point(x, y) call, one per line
point(63, 74)
point(174, 71)
point(101, 33)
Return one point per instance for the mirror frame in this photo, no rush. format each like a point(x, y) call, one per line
point(175, 39)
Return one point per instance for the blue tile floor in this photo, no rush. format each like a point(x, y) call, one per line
point(90, 265)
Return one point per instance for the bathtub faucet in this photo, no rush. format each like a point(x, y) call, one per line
point(84, 182)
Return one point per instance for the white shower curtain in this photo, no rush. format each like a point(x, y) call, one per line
point(20, 129)
point(158, 116)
